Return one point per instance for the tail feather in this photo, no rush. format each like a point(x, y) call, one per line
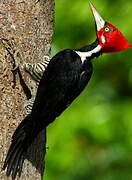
point(21, 166)
point(11, 156)
point(12, 167)
point(16, 166)
point(16, 153)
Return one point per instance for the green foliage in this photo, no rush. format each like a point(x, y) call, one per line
point(92, 139)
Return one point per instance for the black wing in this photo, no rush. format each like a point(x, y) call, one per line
point(62, 81)
point(56, 87)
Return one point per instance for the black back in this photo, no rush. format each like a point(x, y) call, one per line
point(63, 80)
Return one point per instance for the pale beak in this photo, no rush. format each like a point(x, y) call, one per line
point(98, 19)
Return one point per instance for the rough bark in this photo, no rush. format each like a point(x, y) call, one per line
point(30, 24)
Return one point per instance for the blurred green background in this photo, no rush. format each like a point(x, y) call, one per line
point(92, 139)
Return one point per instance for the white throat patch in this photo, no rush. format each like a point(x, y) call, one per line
point(103, 39)
point(84, 55)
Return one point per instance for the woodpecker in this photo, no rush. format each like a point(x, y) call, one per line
point(64, 78)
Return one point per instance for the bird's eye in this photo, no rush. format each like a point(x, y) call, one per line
point(107, 29)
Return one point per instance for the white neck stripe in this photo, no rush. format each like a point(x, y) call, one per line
point(84, 55)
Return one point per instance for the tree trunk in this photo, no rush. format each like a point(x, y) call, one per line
point(29, 23)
